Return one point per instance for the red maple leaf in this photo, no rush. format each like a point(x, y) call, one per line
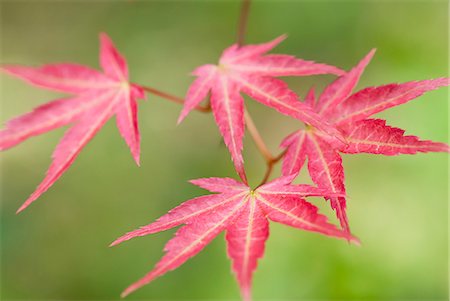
point(244, 214)
point(98, 97)
point(349, 114)
point(246, 69)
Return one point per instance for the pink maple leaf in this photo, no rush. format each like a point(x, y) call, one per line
point(349, 114)
point(246, 69)
point(98, 97)
point(244, 214)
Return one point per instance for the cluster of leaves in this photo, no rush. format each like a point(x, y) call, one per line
point(337, 121)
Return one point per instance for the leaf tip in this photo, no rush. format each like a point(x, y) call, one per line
point(104, 37)
point(195, 182)
point(137, 159)
point(281, 38)
point(246, 294)
point(124, 294)
point(275, 42)
point(20, 209)
point(121, 239)
point(242, 175)
point(180, 118)
point(115, 243)
point(4, 68)
point(23, 207)
point(369, 56)
point(129, 290)
point(9, 69)
point(354, 240)
point(184, 112)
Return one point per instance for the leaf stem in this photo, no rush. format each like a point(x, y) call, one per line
point(270, 165)
point(175, 99)
point(270, 159)
point(243, 20)
point(262, 147)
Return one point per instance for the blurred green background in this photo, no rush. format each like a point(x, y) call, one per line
point(57, 249)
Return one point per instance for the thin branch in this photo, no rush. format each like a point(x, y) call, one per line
point(270, 165)
point(270, 159)
point(173, 98)
point(280, 156)
point(257, 137)
point(250, 125)
point(243, 20)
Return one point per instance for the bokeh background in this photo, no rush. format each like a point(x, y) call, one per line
point(57, 249)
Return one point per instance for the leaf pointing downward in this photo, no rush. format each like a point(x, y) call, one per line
point(243, 214)
point(98, 98)
point(246, 239)
point(326, 170)
point(228, 109)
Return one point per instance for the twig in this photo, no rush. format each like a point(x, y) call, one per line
point(172, 98)
point(270, 165)
point(257, 137)
point(262, 147)
point(243, 20)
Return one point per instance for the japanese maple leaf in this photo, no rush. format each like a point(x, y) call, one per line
point(349, 114)
point(97, 97)
point(246, 69)
point(244, 214)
